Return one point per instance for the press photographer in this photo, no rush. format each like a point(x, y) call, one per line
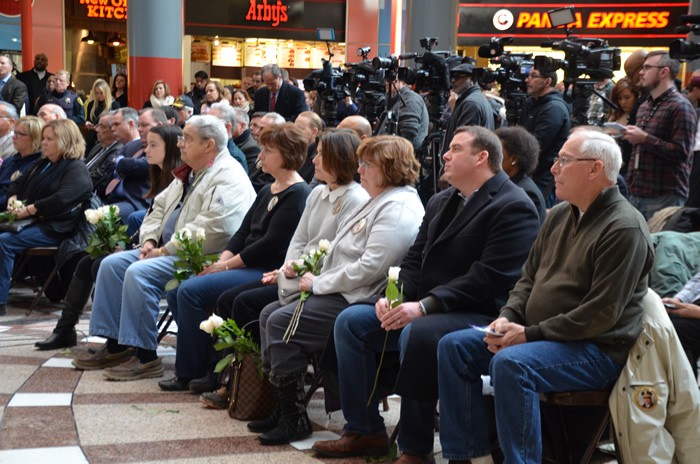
point(406, 114)
point(366, 86)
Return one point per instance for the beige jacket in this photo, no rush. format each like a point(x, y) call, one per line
point(217, 201)
point(655, 404)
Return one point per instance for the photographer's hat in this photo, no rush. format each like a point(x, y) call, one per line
point(183, 101)
point(464, 68)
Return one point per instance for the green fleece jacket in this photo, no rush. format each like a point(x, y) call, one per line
point(586, 276)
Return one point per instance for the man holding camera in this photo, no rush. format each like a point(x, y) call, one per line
point(471, 107)
point(406, 115)
point(546, 116)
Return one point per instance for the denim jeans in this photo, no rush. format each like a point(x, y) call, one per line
point(649, 205)
point(11, 244)
point(358, 338)
point(518, 373)
point(190, 303)
point(127, 298)
point(134, 221)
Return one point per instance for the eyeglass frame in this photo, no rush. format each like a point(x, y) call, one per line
point(563, 161)
point(647, 67)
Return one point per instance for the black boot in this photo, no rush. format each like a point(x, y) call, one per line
point(294, 423)
point(269, 423)
point(64, 335)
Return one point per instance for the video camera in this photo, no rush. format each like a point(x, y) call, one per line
point(684, 50)
point(510, 76)
point(323, 81)
point(365, 84)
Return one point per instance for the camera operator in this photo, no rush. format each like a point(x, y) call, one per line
point(410, 109)
point(471, 107)
point(546, 116)
point(662, 139)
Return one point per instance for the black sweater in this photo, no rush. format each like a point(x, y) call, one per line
point(268, 226)
point(57, 191)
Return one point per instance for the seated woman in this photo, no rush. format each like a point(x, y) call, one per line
point(53, 190)
point(375, 237)
point(520, 149)
point(684, 310)
point(257, 246)
point(160, 96)
point(27, 141)
point(163, 156)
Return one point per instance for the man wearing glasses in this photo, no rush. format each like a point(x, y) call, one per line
point(546, 116)
point(662, 139)
point(570, 320)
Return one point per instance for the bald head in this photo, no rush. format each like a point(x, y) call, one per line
point(358, 124)
point(49, 112)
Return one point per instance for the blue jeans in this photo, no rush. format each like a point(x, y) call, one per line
point(190, 303)
point(134, 221)
point(11, 244)
point(519, 374)
point(127, 298)
point(358, 338)
point(649, 205)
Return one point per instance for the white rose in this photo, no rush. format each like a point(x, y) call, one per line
point(216, 321)
point(114, 209)
point(186, 234)
point(200, 234)
point(16, 204)
point(394, 273)
point(207, 326)
point(313, 252)
point(324, 245)
point(98, 215)
point(91, 216)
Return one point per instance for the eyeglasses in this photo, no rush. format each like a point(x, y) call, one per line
point(564, 160)
point(535, 76)
point(647, 67)
point(20, 134)
point(365, 164)
point(184, 139)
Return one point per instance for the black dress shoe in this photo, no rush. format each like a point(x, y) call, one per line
point(58, 340)
point(175, 384)
point(2, 309)
point(208, 383)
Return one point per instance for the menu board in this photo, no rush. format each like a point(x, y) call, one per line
point(260, 54)
point(200, 51)
point(228, 54)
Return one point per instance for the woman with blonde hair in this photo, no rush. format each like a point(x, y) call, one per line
point(160, 96)
point(27, 143)
point(100, 100)
point(52, 192)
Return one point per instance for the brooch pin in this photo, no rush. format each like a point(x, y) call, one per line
point(336, 207)
point(15, 175)
point(272, 203)
point(359, 226)
point(67, 100)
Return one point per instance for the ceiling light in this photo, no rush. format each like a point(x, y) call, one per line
point(90, 39)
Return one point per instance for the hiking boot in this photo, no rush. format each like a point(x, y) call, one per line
point(101, 359)
point(354, 444)
point(215, 400)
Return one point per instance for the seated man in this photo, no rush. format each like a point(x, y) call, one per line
point(570, 320)
point(684, 310)
point(129, 284)
point(470, 248)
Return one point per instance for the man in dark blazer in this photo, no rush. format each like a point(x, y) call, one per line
point(278, 95)
point(12, 90)
point(100, 160)
point(35, 80)
point(467, 256)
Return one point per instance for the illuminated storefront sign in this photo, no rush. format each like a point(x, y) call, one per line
point(626, 22)
point(105, 9)
point(274, 13)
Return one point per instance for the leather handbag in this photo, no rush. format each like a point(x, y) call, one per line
point(251, 396)
point(17, 226)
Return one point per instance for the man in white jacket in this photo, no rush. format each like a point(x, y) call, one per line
point(210, 192)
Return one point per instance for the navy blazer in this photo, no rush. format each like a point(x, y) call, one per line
point(290, 101)
point(135, 182)
point(15, 92)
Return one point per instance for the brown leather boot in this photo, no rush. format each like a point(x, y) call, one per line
point(354, 444)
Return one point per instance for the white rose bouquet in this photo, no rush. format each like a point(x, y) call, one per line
point(10, 216)
point(230, 336)
point(109, 231)
point(192, 259)
point(311, 262)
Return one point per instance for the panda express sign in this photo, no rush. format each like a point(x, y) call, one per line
point(622, 23)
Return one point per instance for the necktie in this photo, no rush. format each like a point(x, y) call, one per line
point(2, 84)
point(272, 102)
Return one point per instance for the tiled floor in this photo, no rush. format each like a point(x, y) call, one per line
point(52, 413)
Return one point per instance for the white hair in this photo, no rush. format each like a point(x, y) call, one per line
point(600, 146)
point(210, 127)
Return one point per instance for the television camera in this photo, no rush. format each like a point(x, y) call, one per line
point(682, 49)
